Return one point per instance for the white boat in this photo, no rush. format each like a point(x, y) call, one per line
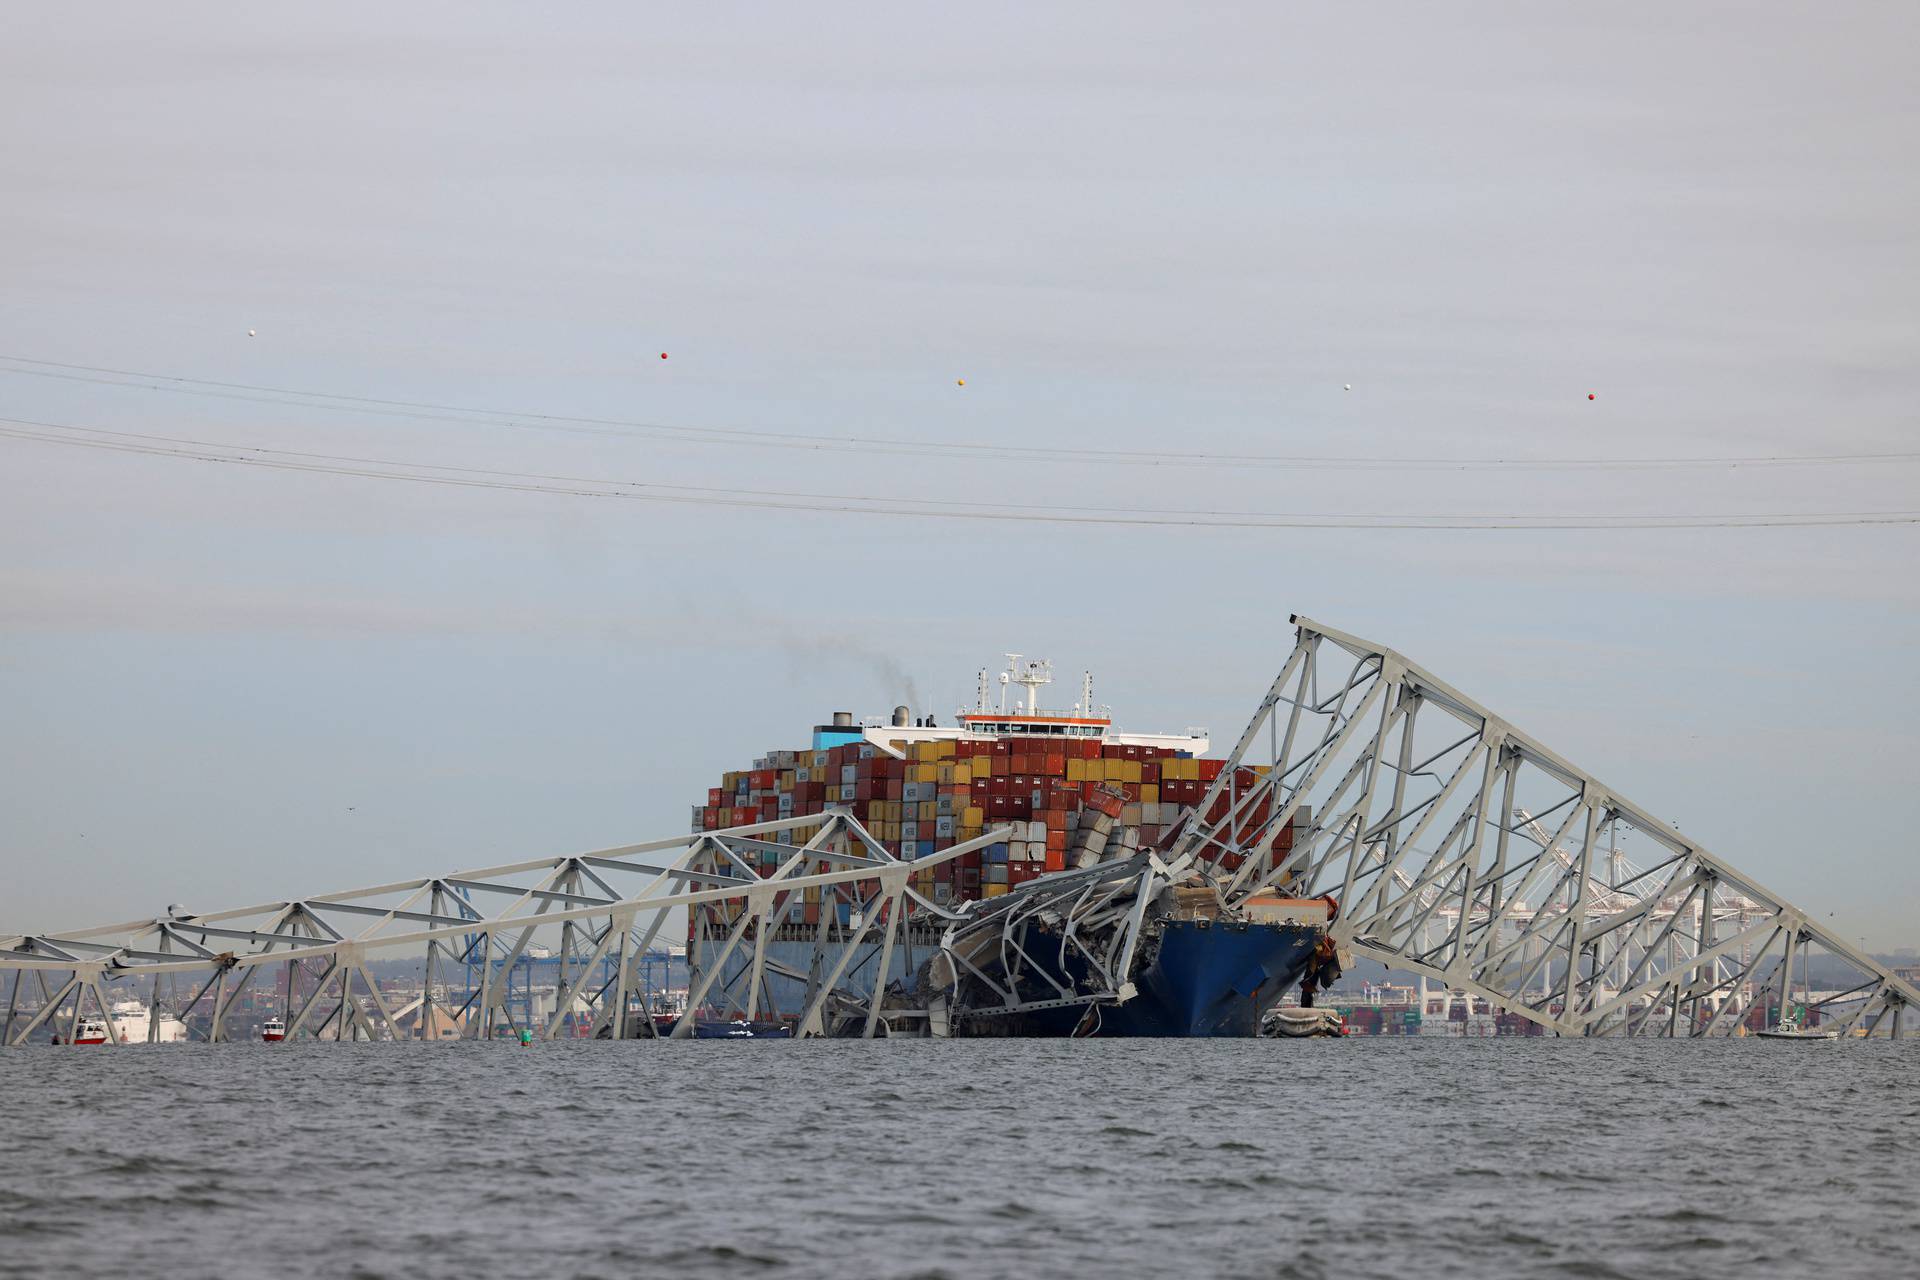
point(132, 1020)
point(90, 1031)
point(273, 1030)
point(1790, 1029)
point(1294, 1022)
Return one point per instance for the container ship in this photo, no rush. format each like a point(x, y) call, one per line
point(1082, 803)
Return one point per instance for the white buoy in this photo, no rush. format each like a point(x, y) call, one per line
point(249, 333)
point(1349, 386)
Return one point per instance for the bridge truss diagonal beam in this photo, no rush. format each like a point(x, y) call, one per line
point(1463, 849)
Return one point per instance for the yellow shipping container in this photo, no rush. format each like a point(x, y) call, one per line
point(929, 811)
point(993, 890)
point(967, 831)
point(1096, 770)
point(1129, 771)
point(812, 892)
point(923, 751)
point(926, 773)
point(943, 749)
point(1149, 793)
point(1076, 770)
point(973, 816)
point(963, 775)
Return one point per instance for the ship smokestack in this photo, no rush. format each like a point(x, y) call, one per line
point(900, 717)
point(843, 719)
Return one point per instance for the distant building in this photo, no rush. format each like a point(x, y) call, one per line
point(441, 1025)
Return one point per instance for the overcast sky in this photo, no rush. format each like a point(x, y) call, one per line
point(1124, 226)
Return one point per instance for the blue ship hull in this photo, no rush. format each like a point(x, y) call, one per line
point(1213, 980)
point(1206, 979)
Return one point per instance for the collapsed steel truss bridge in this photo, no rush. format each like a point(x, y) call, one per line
point(607, 909)
point(1462, 849)
point(1456, 846)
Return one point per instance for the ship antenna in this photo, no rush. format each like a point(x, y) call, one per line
point(1031, 676)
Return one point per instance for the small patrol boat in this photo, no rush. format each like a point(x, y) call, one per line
point(273, 1030)
point(740, 1029)
point(1790, 1029)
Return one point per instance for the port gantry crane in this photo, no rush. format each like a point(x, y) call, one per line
point(1458, 848)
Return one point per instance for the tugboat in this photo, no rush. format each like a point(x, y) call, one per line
point(274, 1030)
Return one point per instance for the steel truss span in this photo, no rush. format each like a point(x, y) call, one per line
point(1456, 847)
point(1462, 849)
point(604, 910)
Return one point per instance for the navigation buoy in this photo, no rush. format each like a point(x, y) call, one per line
point(1349, 386)
point(663, 355)
point(959, 382)
point(1589, 395)
point(249, 333)
point(526, 1037)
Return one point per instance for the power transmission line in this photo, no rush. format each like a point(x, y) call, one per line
point(467, 415)
point(189, 449)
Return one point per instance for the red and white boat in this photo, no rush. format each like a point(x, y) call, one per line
point(90, 1031)
point(274, 1030)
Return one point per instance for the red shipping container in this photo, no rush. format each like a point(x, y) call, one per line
point(1150, 772)
point(1105, 799)
point(1210, 769)
point(1056, 858)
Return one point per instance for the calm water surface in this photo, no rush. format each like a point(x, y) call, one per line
point(918, 1158)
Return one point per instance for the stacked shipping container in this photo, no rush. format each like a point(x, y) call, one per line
point(948, 791)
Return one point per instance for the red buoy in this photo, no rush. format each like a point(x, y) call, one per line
point(1589, 394)
point(663, 356)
